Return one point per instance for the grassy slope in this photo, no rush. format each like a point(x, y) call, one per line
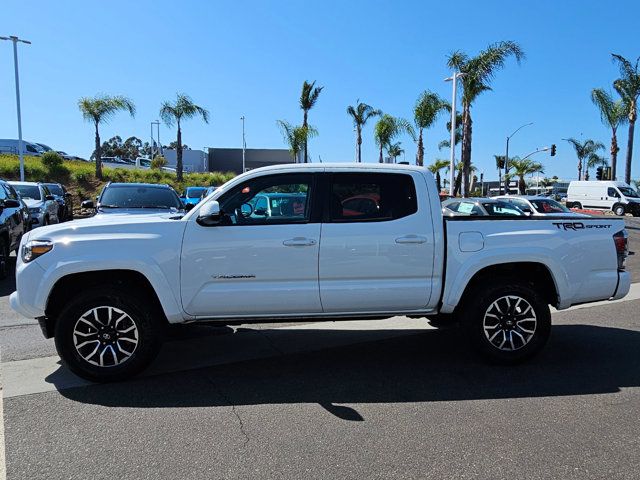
point(80, 180)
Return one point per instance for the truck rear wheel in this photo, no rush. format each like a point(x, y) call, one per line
point(507, 322)
point(106, 335)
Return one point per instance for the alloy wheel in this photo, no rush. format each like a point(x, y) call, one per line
point(105, 336)
point(509, 323)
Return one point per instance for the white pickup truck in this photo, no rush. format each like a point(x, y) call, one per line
point(314, 242)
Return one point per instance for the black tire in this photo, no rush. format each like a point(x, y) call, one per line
point(618, 209)
point(577, 205)
point(4, 258)
point(477, 314)
point(70, 330)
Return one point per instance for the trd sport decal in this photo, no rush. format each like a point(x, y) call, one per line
point(576, 225)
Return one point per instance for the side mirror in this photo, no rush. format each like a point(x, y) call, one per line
point(209, 215)
point(87, 204)
point(49, 197)
point(10, 203)
point(189, 206)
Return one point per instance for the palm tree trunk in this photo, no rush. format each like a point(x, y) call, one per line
point(614, 153)
point(579, 168)
point(627, 171)
point(466, 147)
point(304, 124)
point(98, 155)
point(458, 184)
point(380, 159)
point(359, 144)
point(179, 155)
point(522, 186)
point(438, 181)
point(420, 156)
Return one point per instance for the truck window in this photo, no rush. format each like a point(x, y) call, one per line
point(612, 192)
point(371, 197)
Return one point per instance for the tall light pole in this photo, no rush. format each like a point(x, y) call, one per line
point(155, 122)
point(15, 41)
point(244, 145)
point(506, 160)
point(452, 161)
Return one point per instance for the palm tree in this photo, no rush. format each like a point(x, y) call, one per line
point(181, 109)
point(387, 129)
point(308, 99)
point(584, 150)
point(613, 114)
point(296, 137)
point(522, 168)
point(98, 110)
point(425, 113)
point(479, 71)
point(435, 168)
point(595, 160)
point(361, 114)
point(628, 87)
point(394, 150)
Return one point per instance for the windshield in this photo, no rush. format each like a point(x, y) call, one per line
point(628, 192)
point(139, 197)
point(55, 189)
point(28, 191)
point(195, 192)
point(549, 206)
point(502, 208)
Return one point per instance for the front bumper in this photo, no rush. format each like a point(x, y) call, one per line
point(23, 309)
point(37, 218)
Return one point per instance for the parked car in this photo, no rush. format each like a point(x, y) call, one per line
point(208, 191)
point(8, 145)
point(192, 195)
point(618, 197)
point(278, 205)
point(24, 209)
point(538, 205)
point(44, 148)
point(64, 199)
point(65, 155)
point(481, 207)
point(43, 207)
point(137, 199)
point(12, 225)
point(106, 289)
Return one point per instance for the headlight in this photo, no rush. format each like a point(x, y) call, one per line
point(35, 210)
point(35, 248)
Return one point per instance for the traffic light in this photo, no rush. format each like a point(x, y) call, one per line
point(599, 173)
point(607, 173)
point(553, 150)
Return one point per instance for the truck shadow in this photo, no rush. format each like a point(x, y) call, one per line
point(428, 366)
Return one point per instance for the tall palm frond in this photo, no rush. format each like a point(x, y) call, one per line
point(628, 87)
point(361, 114)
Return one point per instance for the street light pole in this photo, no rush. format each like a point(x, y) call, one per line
point(158, 150)
point(452, 158)
point(15, 41)
point(244, 145)
point(506, 160)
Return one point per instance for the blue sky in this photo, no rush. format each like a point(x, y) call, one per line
point(250, 58)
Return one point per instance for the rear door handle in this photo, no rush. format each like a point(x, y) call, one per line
point(411, 239)
point(299, 242)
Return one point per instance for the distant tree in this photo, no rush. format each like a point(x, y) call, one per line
point(522, 168)
point(435, 168)
point(100, 109)
point(426, 111)
point(308, 98)
point(584, 150)
point(158, 162)
point(594, 161)
point(613, 113)
point(387, 129)
point(479, 70)
point(394, 150)
point(628, 87)
point(174, 146)
point(296, 137)
point(361, 114)
point(182, 109)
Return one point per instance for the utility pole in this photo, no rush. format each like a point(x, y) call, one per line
point(15, 41)
point(244, 145)
point(452, 159)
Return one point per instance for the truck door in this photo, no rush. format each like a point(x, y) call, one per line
point(255, 262)
point(377, 243)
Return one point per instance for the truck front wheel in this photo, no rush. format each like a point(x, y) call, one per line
point(106, 335)
point(618, 209)
point(508, 322)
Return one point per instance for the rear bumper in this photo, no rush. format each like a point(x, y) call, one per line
point(624, 285)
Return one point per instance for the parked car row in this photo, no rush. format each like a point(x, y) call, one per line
point(9, 145)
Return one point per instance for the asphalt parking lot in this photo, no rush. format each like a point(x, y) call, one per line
point(348, 400)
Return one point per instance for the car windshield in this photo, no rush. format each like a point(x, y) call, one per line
point(628, 192)
point(549, 206)
point(502, 208)
point(55, 189)
point(195, 192)
point(135, 196)
point(28, 191)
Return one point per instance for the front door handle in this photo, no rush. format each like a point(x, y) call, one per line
point(411, 239)
point(299, 242)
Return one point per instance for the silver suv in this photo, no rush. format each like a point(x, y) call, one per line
point(43, 207)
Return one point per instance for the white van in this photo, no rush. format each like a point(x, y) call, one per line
point(8, 145)
point(604, 195)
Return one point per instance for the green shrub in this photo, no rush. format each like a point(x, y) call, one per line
point(158, 162)
point(52, 160)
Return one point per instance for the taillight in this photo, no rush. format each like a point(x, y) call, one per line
point(622, 247)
